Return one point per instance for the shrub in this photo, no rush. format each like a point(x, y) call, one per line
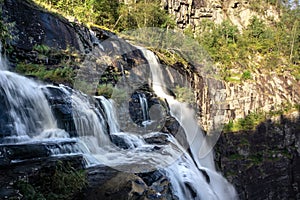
point(246, 75)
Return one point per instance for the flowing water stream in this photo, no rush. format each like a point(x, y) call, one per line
point(99, 138)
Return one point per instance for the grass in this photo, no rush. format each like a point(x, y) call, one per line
point(63, 74)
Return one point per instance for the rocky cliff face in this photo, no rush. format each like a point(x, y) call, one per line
point(263, 164)
point(192, 12)
point(266, 93)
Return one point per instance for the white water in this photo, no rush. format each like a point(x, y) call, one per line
point(28, 107)
point(219, 188)
point(144, 106)
point(32, 116)
point(111, 114)
point(89, 122)
point(183, 113)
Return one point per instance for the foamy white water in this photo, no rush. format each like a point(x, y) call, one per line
point(202, 154)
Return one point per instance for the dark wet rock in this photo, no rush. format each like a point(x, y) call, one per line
point(29, 170)
point(121, 185)
point(120, 141)
point(11, 153)
point(35, 26)
point(159, 139)
point(61, 106)
point(262, 163)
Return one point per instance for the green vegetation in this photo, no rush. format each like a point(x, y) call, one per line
point(5, 36)
point(63, 71)
point(62, 74)
point(63, 184)
point(43, 49)
point(252, 120)
point(248, 123)
point(272, 47)
point(112, 13)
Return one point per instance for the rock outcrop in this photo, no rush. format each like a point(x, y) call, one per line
point(192, 12)
point(263, 164)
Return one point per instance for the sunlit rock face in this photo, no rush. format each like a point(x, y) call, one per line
point(192, 12)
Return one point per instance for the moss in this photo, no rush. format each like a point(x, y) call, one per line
point(63, 74)
point(63, 184)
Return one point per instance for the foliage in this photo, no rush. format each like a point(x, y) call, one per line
point(62, 74)
point(274, 47)
point(43, 49)
point(251, 121)
point(246, 75)
point(5, 36)
point(184, 94)
point(141, 14)
point(247, 123)
point(63, 184)
point(112, 13)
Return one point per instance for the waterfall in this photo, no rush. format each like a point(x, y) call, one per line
point(29, 116)
point(110, 113)
point(89, 121)
point(189, 173)
point(182, 112)
point(25, 106)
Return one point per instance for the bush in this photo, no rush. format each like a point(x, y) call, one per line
point(43, 49)
point(246, 75)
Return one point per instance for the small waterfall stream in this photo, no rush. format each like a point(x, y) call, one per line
point(144, 106)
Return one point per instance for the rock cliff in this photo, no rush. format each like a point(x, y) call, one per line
point(192, 12)
point(263, 164)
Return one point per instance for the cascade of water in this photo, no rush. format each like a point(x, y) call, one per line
point(31, 116)
point(89, 121)
point(219, 188)
point(111, 114)
point(182, 112)
point(27, 106)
